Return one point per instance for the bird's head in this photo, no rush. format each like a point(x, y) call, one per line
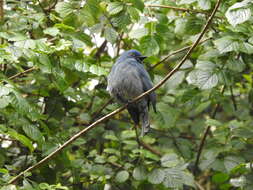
point(132, 54)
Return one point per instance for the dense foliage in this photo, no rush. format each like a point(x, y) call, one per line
point(55, 56)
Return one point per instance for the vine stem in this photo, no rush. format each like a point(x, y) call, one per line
point(106, 117)
point(202, 142)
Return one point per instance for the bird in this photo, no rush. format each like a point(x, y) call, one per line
point(127, 80)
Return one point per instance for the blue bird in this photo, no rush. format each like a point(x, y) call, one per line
point(127, 80)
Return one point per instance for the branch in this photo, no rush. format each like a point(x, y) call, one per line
point(21, 73)
point(179, 9)
point(101, 49)
point(150, 148)
point(202, 142)
point(176, 52)
point(79, 134)
point(95, 114)
point(233, 97)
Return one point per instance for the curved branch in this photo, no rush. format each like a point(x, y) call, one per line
point(73, 138)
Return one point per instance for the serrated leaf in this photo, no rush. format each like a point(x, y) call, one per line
point(133, 13)
point(149, 45)
point(173, 178)
point(188, 179)
point(169, 160)
point(246, 48)
point(64, 8)
point(110, 35)
point(122, 20)
point(140, 173)
point(122, 176)
point(114, 8)
point(203, 76)
point(227, 44)
point(156, 176)
point(33, 132)
point(238, 13)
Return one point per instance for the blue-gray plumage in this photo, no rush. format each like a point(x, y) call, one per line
point(127, 80)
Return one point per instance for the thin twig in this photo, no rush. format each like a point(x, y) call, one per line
point(178, 9)
point(202, 142)
point(101, 49)
point(199, 186)
point(150, 148)
point(118, 43)
point(79, 134)
point(95, 114)
point(175, 52)
point(233, 97)
point(21, 73)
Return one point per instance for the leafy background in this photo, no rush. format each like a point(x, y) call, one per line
point(55, 56)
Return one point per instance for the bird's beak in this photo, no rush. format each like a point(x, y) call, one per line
point(142, 57)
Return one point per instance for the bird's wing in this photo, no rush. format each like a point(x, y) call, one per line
point(147, 84)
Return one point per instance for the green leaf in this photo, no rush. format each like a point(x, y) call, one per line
point(149, 45)
point(133, 13)
point(138, 33)
point(33, 132)
point(203, 76)
point(220, 178)
point(23, 139)
point(139, 4)
point(156, 176)
point(110, 35)
point(187, 1)
point(122, 20)
point(204, 4)
point(64, 8)
point(52, 31)
point(122, 176)
point(246, 48)
point(227, 44)
point(4, 101)
point(3, 171)
point(231, 162)
point(238, 13)
point(213, 122)
point(140, 173)
point(169, 160)
point(114, 8)
point(4, 90)
point(9, 187)
point(173, 178)
point(236, 65)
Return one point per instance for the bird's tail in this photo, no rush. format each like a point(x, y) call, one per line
point(144, 122)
